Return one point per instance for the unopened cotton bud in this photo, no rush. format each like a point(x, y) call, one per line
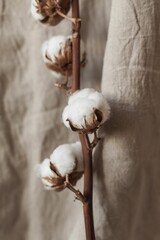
point(57, 54)
point(87, 109)
point(47, 11)
point(65, 160)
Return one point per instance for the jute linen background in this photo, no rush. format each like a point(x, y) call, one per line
point(124, 62)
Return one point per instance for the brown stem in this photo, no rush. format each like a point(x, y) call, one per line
point(87, 153)
point(88, 188)
point(76, 46)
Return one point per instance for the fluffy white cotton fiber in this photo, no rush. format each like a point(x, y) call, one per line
point(67, 159)
point(82, 105)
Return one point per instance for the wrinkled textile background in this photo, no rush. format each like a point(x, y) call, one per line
point(127, 166)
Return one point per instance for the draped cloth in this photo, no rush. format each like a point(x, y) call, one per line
point(123, 53)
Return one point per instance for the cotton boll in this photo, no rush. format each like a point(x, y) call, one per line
point(52, 47)
point(67, 158)
point(34, 11)
point(57, 55)
point(91, 106)
point(84, 93)
point(78, 111)
point(64, 159)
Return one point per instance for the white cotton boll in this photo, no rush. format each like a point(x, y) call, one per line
point(76, 112)
point(34, 12)
point(52, 47)
point(63, 159)
point(98, 102)
point(84, 93)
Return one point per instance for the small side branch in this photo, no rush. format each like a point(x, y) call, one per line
point(78, 194)
point(95, 141)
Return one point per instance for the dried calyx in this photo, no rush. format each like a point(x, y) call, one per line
point(57, 54)
point(86, 111)
point(64, 164)
point(50, 11)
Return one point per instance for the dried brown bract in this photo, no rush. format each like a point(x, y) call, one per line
point(52, 10)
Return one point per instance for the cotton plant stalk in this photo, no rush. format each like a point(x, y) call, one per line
point(87, 152)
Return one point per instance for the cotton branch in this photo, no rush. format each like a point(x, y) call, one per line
point(79, 195)
point(87, 154)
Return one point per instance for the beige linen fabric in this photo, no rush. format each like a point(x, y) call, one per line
point(127, 171)
point(131, 149)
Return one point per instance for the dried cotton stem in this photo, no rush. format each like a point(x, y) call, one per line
point(87, 153)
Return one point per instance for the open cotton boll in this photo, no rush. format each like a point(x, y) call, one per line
point(63, 159)
point(67, 158)
point(77, 111)
point(34, 11)
point(57, 55)
point(84, 93)
point(52, 47)
point(87, 109)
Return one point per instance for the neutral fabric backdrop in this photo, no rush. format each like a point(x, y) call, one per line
point(126, 166)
